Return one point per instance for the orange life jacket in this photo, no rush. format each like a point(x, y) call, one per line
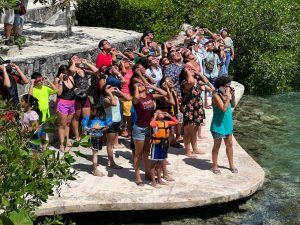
point(162, 132)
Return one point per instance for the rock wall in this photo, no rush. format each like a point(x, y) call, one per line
point(49, 64)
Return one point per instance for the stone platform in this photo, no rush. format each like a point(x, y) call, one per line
point(194, 185)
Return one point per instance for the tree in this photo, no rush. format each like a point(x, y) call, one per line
point(65, 5)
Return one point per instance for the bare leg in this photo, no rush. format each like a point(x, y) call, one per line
point(7, 30)
point(110, 143)
point(229, 151)
point(139, 146)
point(96, 172)
point(166, 175)
point(62, 123)
point(67, 129)
point(215, 152)
point(146, 152)
point(188, 132)
point(194, 141)
point(152, 172)
point(178, 132)
point(159, 167)
point(75, 124)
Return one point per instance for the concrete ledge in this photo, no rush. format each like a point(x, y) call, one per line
point(195, 184)
point(45, 56)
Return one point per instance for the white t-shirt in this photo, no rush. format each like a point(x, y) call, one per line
point(29, 118)
point(155, 73)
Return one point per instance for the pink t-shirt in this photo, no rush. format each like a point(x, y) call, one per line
point(125, 87)
point(29, 118)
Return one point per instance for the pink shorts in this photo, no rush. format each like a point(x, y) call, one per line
point(65, 107)
point(82, 103)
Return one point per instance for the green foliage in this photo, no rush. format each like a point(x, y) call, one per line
point(265, 33)
point(163, 17)
point(18, 40)
point(266, 38)
point(28, 177)
point(8, 4)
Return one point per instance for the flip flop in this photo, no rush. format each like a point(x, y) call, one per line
point(176, 145)
point(216, 171)
point(119, 147)
point(234, 170)
point(117, 167)
point(140, 183)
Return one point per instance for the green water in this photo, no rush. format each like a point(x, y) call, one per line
point(269, 129)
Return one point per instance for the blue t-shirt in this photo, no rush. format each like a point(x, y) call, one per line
point(111, 80)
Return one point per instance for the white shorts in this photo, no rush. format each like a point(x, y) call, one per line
point(7, 16)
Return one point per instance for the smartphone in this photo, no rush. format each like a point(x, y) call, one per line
point(222, 89)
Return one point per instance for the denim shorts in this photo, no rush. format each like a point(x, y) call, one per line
point(140, 133)
point(219, 136)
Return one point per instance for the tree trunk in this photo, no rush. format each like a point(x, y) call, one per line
point(69, 19)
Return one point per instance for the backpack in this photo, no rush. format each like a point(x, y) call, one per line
point(210, 64)
point(82, 85)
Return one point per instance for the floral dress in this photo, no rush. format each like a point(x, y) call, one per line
point(192, 105)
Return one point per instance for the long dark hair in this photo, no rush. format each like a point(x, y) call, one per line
point(61, 69)
point(32, 102)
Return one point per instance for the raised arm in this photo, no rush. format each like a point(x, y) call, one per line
point(20, 72)
point(92, 69)
point(222, 105)
point(6, 80)
point(53, 86)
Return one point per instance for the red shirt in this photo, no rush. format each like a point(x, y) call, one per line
point(103, 60)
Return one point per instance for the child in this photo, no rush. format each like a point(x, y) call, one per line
point(95, 127)
point(30, 120)
point(42, 92)
point(126, 104)
point(160, 143)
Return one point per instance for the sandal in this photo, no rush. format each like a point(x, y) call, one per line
point(208, 107)
point(216, 171)
point(117, 167)
point(119, 147)
point(234, 170)
point(176, 145)
point(140, 183)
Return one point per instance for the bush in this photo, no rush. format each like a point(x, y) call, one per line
point(28, 177)
point(265, 33)
point(163, 17)
point(266, 38)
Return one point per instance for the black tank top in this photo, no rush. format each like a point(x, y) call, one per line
point(67, 93)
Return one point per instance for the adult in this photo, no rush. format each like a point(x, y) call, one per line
point(221, 126)
point(147, 40)
point(144, 106)
point(106, 56)
point(4, 80)
point(7, 17)
point(173, 70)
point(211, 64)
point(229, 49)
point(80, 69)
point(16, 76)
point(154, 69)
point(65, 106)
point(192, 108)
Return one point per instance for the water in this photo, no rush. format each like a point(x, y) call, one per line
point(269, 129)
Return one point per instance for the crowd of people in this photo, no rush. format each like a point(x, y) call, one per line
point(155, 96)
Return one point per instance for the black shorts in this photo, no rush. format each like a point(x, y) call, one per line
point(114, 128)
point(96, 143)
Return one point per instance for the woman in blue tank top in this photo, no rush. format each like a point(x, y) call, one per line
point(221, 125)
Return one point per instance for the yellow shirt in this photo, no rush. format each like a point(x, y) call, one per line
point(42, 93)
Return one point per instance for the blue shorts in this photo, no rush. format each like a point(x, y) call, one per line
point(219, 136)
point(158, 152)
point(140, 133)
